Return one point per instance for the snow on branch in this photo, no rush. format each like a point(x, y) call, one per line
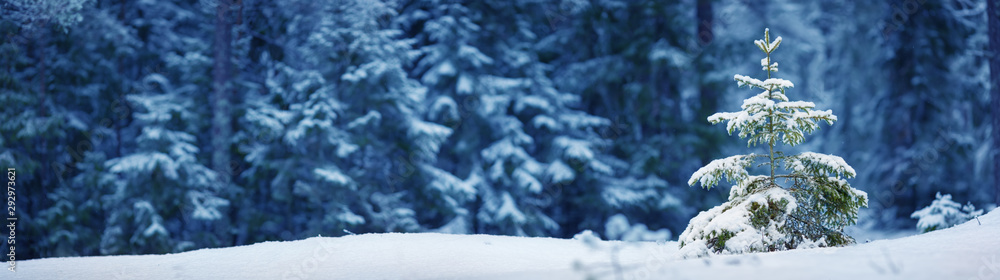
point(773, 67)
point(758, 103)
point(732, 224)
point(145, 163)
point(747, 81)
point(559, 172)
point(450, 184)
point(793, 119)
point(206, 205)
point(732, 168)
point(427, 136)
point(796, 105)
point(748, 185)
point(503, 149)
point(574, 148)
point(816, 163)
point(370, 117)
point(769, 84)
point(778, 83)
point(630, 191)
point(765, 121)
point(767, 45)
point(333, 175)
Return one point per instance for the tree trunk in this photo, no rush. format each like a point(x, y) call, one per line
point(709, 100)
point(239, 236)
point(43, 85)
point(993, 13)
point(124, 87)
point(41, 42)
point(221, 128)
point(703, 12)
point(708, 97)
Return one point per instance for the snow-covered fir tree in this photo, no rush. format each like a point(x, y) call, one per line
point(54, 103)
point(336, 137)
point(535, 160)
point(162, 188)
point(94, 77)
point(448, 63)
point(474, 91)
point(389, 121)
point(164, 198)
point(930, 123)
point(944, 213)
point(808, 206)
point(626, 75)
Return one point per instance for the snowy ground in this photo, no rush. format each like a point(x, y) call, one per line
point(967, 251)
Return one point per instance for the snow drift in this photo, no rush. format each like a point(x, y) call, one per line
point(967, 251)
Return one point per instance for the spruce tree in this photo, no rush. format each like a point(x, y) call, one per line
point(806, 207)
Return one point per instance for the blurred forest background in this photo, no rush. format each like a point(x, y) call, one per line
point(163, 126)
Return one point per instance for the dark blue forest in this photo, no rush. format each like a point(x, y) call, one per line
point(141, 127)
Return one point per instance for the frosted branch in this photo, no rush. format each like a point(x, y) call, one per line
point(732, 168)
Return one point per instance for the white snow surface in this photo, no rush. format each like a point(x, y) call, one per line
point(966, 251)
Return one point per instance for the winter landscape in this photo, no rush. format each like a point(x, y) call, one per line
point(438, 139)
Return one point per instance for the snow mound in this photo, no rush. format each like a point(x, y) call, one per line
point(967, 251)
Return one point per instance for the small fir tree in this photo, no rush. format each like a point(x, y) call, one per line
point(807, 207)
point(944, 213)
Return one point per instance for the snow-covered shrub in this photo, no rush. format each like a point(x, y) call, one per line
point(619, 228)
point(810, 205)
point(944, 213)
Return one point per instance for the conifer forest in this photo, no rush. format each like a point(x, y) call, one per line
point(154, 127)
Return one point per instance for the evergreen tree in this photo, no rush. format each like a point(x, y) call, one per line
point(449, 64)
point(538, 165)
point(635, 75)
point(809, 206)
point(69, 103)
point(163, 197)
point(944, 213)
point(930, 122)
point(993, 22)
point(336, 136)
point(96, 75)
